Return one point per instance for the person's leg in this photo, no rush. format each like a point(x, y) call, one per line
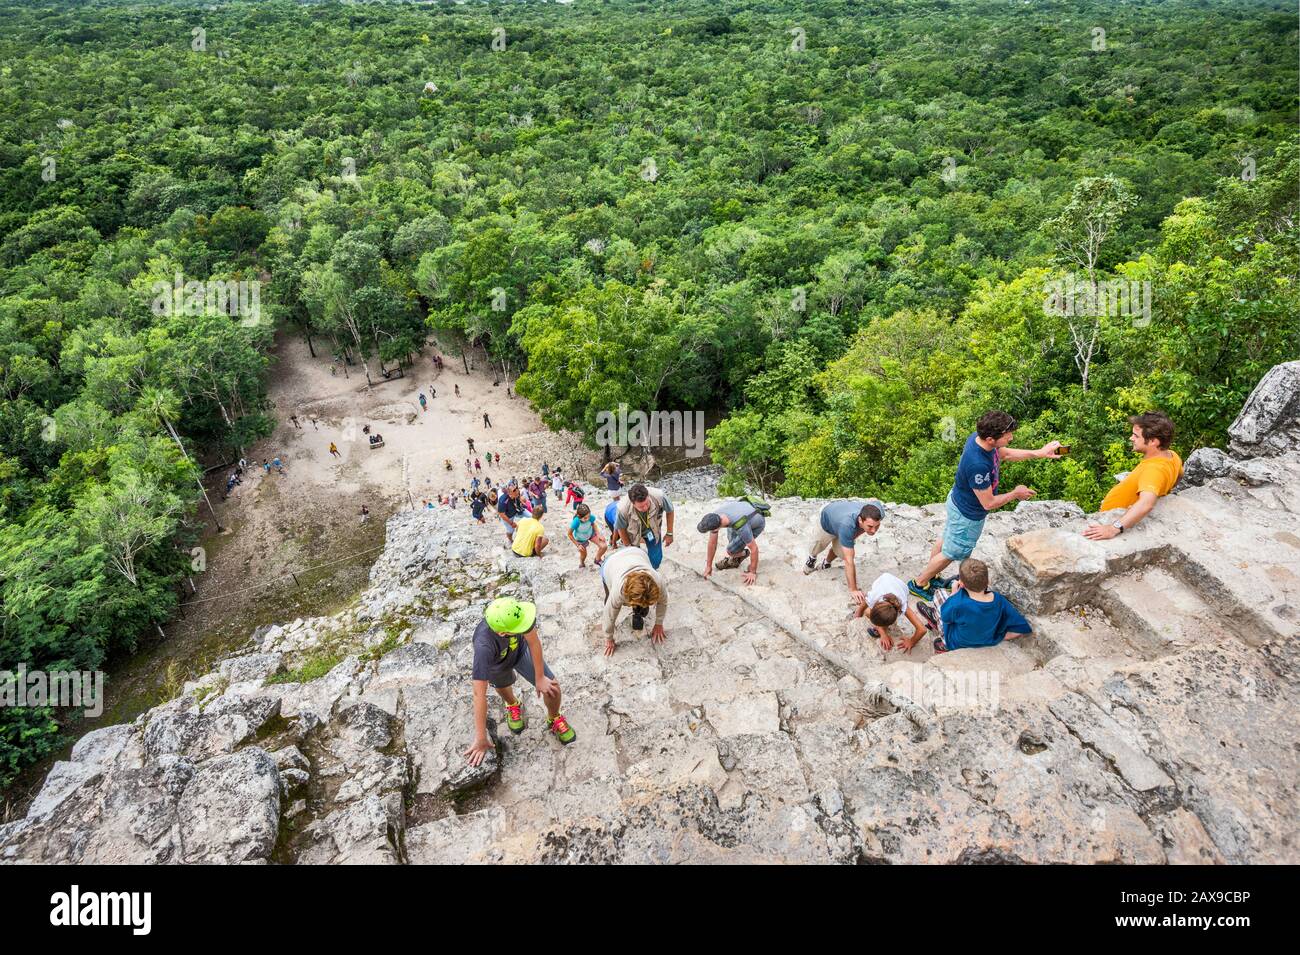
point(524, 667)
point(957, 542)
point(817, 543)
point(540, 546)
point(552, 702)
point(936, 565)
point(582, 555)
point(507, 693)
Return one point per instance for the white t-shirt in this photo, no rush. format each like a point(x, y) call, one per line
point(888, 584)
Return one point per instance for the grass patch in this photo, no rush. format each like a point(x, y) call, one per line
point(313, 668)
point(392, 640)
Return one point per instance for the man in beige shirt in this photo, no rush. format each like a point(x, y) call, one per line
point(640, 519)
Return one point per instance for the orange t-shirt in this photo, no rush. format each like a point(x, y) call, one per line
point(1157, 475)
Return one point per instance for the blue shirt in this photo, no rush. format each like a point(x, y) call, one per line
point(841, 519)
point(611, 514)
point(510, 507)
point(583, 530)
point(971, 623)
point(977, 470)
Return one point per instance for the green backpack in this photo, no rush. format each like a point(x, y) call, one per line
point(762, 507)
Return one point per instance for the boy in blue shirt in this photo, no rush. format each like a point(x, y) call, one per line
point(974, 494)
point(974, 616)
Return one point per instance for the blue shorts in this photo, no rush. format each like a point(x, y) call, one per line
point(960, 534)
point(524, 667)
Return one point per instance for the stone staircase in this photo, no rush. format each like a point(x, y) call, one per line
point(1151, 717)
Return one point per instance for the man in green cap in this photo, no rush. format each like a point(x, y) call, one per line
point(506, 643)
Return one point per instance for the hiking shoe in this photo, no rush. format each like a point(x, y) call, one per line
point(919, 592)
point(561, 729)
point(930, 615)
point(729, 562)
point(515, 718)
point(827, 564)
point(810, 565)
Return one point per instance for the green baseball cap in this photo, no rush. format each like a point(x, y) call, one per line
point(508, 615)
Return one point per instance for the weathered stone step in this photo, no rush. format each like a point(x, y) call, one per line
point(1160, 614)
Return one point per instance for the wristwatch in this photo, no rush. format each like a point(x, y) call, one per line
point(1121, 528)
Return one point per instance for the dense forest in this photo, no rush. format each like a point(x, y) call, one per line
point(837, 222)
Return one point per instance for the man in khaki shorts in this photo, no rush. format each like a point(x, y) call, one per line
point(838, 525)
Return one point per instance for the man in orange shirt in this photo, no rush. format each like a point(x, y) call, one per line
point(1154, 477)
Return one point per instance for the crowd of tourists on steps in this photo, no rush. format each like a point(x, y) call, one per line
point(961, 611)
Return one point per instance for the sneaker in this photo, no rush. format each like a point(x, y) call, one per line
point(515, 718)
point(562, 730)
point(729, 562)
point(942, 583)
point(827, 564)
point(919, 592)
point(810, 565)
point(930, 615)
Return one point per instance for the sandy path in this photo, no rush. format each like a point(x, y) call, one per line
point(281, 524)
point(416, 443)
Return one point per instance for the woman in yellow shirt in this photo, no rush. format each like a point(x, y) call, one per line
point(530, 539)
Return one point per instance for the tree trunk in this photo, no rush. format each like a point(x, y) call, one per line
point(202, 490)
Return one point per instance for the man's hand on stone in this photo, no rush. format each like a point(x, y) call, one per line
point(1101, 532)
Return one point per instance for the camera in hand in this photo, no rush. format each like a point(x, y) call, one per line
point(638, 618)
